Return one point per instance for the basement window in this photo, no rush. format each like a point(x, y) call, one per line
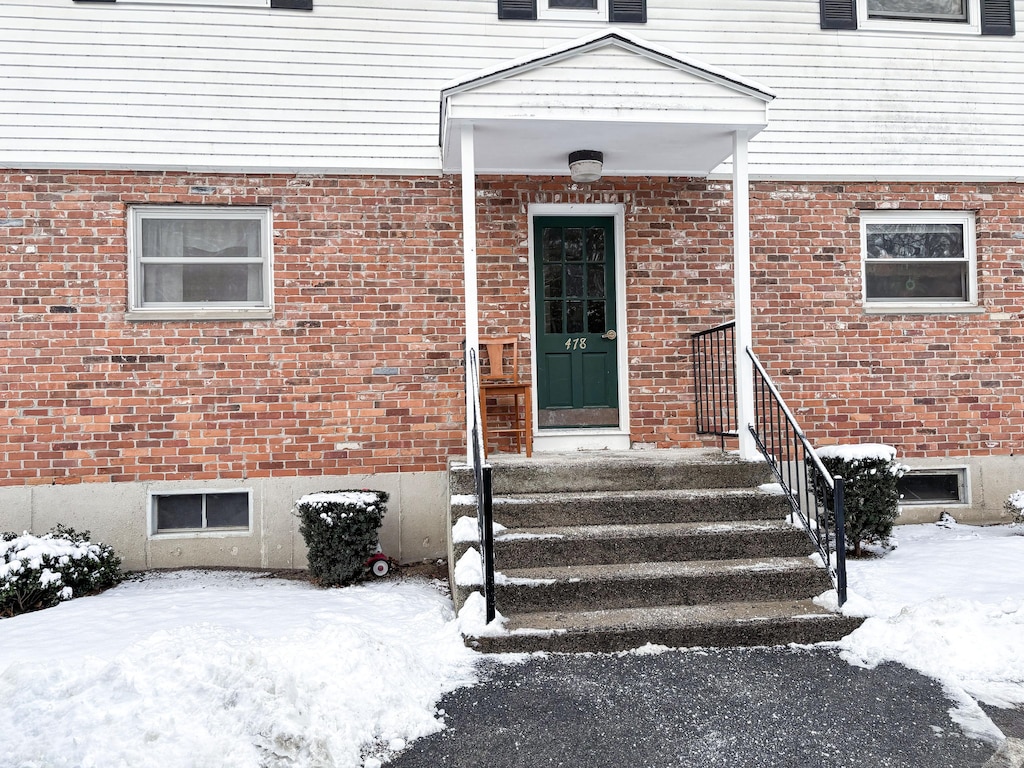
point(934, 486)
point(195, 512)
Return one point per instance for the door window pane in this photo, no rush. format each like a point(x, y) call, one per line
point(552, 281)
point(553, 317)
point(573, 244)
point(595, 317)
point(574, 317)
point(595, 244)
point(574, 280)
point(552, 244)
point(595, 281)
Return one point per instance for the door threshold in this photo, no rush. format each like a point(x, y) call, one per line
point(565, 440)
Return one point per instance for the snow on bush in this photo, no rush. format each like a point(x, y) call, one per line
point(870, 473)
point(1014, 507)
point(40, 571)
point(340, 529)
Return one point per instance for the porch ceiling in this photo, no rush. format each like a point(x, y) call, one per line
point(648, 110)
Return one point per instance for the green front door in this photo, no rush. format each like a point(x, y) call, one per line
point(574, 271)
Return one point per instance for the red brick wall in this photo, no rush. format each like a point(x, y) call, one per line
point(939, 384)
point(367, 281)
point(367, 278)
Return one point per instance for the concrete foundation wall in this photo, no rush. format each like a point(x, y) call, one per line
point(116, 514)
point(990, 480)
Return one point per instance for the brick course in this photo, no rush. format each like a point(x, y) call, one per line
point(360, 369)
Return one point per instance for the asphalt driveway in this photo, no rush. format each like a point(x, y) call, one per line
point(741, 708)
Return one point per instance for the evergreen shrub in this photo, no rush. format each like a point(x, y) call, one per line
point(870, 475)
point(340, 530)
point(38, 572)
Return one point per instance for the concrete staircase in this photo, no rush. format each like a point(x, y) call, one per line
point(610, 551)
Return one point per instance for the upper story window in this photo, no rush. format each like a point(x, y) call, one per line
point(295, 5)
point(921, 10)
point(612, 11)
point(967, 17)
point(199, 262)
point(919, 260)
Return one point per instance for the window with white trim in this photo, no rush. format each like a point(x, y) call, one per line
point(294, 5)
point(575, 10)
point(190, 512)
point(199, 261)
point(956, 17)
point(922, 260)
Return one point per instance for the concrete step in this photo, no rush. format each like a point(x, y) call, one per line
point(645, 542)
point(630, 585)
point(614, 471)
point(533, 510)
point(677, 626)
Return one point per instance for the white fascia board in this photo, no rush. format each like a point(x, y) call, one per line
point(599, 40)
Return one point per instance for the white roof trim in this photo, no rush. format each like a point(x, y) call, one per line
point(596, 41)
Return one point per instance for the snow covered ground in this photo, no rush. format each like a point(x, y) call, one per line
point(948, 601)
point(227, 669)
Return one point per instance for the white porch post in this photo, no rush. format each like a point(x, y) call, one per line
point(469, 270)
point(741, 277)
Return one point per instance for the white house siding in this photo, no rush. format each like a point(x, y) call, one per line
point(354, 86)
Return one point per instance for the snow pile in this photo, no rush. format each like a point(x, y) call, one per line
point(948, 602)
point(228, 669)
point(858, 452)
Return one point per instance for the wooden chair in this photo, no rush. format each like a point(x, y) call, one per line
point(502, 380)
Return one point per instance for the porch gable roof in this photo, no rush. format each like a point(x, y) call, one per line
point(650, 111)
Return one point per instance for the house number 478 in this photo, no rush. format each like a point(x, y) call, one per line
point(580, 342)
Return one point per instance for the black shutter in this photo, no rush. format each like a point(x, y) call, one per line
point(838, 14)
point(295, 5)
point(997, 17)
point(517, 9)
point(627, 11)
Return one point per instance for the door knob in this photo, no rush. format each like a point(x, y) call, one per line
point(608, 335)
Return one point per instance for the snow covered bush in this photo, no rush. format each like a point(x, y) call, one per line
point(1014, 507)
point(340, 529)
point(40, 571)
point(871, 501)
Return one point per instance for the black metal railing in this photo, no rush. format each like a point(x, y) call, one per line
point(815, 496)
point(482, 480)
point(714, 369)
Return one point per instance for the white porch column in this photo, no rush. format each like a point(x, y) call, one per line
point(469, 270)
point(741, 277)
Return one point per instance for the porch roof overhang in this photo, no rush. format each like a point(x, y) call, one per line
point(650, 111)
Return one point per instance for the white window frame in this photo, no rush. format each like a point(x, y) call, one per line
point(208, 3)
point(192, 533)
point(573, 14)
point(964, 218)
point(137, 310)
point(963, 484)
point(923, 26)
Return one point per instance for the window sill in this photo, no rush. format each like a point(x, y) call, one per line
point(137, 315)
point(201, 533)
point(923, 309)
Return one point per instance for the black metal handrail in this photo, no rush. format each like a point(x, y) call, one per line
point(815, 496)
point(714, 372)
point(482, 480)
